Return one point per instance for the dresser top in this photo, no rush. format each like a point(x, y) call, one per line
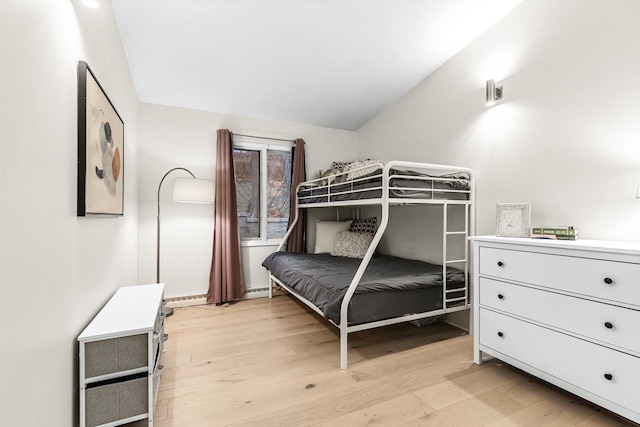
point(632, 248)
point(132, 309)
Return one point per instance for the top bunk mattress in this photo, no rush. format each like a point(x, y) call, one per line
point(390, 287)
point(403, 184)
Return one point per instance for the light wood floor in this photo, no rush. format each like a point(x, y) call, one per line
point(274, 362)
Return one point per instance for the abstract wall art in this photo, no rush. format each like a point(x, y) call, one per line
point(100, 149)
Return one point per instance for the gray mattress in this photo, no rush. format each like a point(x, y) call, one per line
point(403, 188)
point(390, 287)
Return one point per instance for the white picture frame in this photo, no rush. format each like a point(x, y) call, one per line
point(513, 220)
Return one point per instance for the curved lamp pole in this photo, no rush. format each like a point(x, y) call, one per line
point(200, 194)
point(158, 220)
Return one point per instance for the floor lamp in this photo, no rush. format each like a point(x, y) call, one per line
point(189, 190)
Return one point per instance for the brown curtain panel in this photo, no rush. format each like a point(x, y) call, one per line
point(296, 241)
point(225, 280)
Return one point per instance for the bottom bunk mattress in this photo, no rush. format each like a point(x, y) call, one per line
point(391, 286)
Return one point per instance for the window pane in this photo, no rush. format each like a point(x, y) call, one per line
point(278, 187)
point(247, 170)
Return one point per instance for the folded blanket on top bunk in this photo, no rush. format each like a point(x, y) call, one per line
point(390, 287)
point(407, 184)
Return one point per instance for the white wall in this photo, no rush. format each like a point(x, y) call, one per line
point(171, 137)
point(566, 136)
point(56, 270)
point(564, 139)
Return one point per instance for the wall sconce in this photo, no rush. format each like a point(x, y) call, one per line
point(493, 93)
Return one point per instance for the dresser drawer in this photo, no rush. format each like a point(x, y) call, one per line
point(575, 361)
point(606, 323)
point(609, 280)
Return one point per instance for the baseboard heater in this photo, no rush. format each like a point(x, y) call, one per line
point(188, 300)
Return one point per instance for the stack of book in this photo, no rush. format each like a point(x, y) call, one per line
point(564, 232)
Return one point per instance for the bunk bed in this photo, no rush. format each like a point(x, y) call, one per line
point(374, 290)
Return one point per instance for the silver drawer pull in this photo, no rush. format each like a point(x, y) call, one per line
point(608, 325)
point(608, 280)
point(608, 377)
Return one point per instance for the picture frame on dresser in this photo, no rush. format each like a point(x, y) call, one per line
point(513, 219)
point(100, 149)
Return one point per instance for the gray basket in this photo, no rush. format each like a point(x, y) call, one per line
point(115, 355)
point(112, 402)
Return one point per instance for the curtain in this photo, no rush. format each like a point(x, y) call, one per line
point(295, 242)
point(225, 279)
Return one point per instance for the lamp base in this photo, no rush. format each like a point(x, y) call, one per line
point(167, 311)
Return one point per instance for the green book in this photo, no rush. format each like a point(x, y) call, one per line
point(561, 232)
point(564, 237)
point(557, 231)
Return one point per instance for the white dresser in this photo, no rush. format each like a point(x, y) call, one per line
point(565, 311)
point(120, 358)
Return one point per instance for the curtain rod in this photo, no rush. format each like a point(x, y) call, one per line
point(264, 137)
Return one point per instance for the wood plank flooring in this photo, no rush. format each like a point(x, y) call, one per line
point(264, 362)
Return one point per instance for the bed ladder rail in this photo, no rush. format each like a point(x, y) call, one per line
point(460, 295)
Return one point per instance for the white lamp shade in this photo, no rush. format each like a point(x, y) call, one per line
point(192, 190)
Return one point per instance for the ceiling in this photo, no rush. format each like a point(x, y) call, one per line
point(331, 63)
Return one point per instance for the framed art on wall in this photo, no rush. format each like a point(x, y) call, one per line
point(513, 219)
point(100, 149)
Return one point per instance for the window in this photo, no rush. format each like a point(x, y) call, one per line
point(263, 182)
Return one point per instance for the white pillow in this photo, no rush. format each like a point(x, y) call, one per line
point(351, 244)
point(326, 234)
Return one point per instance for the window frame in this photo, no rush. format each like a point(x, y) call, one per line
point(263, 148)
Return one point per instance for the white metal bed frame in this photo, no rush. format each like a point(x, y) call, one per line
point(461, 303)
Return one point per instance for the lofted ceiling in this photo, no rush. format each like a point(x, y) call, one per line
point(331, 63)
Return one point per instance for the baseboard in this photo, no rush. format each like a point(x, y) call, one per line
point(457, 325)
point(190, 300)
point(256, 293)
point(186, 301)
